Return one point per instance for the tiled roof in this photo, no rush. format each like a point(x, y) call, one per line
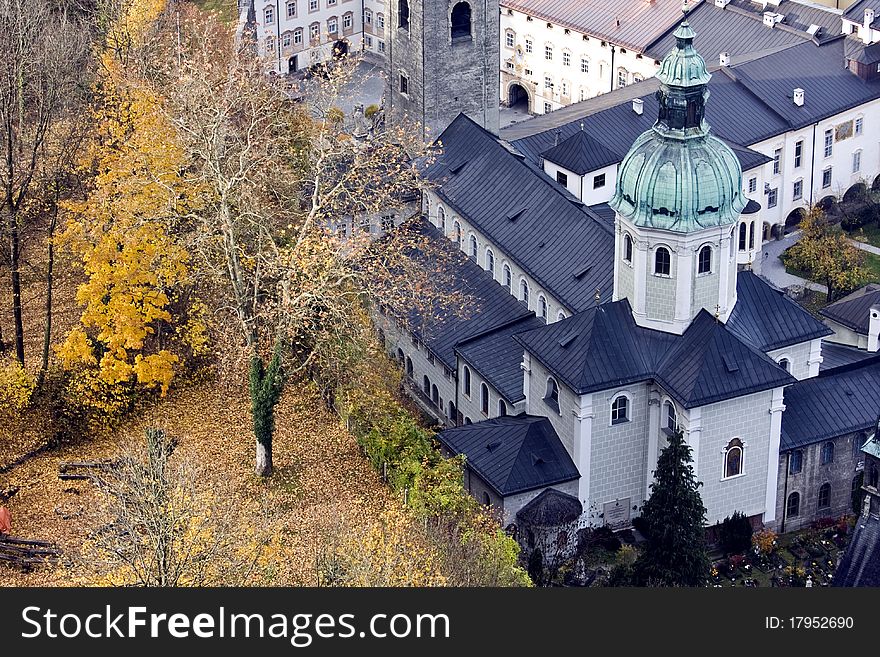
point(860, 564)
point(581, 153)
point(853, 311)
point(837, 402)
point(497, 357)
point(838, 355)
point(604, 348)
point(767, 319)
point(491, 305)
point(629, 23)
point(512, 454)
point(551, 235)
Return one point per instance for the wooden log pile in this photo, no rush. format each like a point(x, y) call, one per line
point(26, 553)
point(72, 470)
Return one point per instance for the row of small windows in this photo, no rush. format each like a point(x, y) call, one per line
point(823, 498)
point(746, 236)
point(484, 394)
point(663, 259)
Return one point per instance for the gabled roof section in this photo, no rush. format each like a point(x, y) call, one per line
point(709, 364)
point(860, 564)
point(856, 12)
point(491, 305)
point(837, 402)
point(853, 311)
point(765, 318)
point(512, 454)
point(497, 357)
point(543, 228)
point(838, 355)
point(864, 53)
point(580, 154)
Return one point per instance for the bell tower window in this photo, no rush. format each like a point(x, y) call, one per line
point(662, 262)
point(461, 21)
point(403, 14)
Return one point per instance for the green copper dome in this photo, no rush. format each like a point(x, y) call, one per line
point(677, 176)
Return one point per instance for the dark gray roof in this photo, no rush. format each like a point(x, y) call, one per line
point(604, 348)
point(605, 212)
point(735, 31)
point(864, 53)
point(856, 12)
point(497, 356)
point(580, 154)
point(853, 311)
point(838, 355)
point(551, 235)
point(767, 319)
point(835, 403)
point(550, 508)
point(491, 305)
point(512, 454)
point(860, 564)
point(797, 16)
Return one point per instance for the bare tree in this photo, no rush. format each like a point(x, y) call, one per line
point(43, 54)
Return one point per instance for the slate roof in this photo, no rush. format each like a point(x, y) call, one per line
point(550, 508)
point(767, 319)
point(751, 102)
point(629, 23)
point(860, 564)
point(853, 311)
point(553, 236)
point(838, 355)
point(497, 357)
point(856, 12)
point(835, 403)
point(605, 213)
point(856, 49)
point(604, 348)
point(512, 454)
point(581, 153)
point(491, 305)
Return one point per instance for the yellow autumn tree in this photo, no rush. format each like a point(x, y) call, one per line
point(138, 318)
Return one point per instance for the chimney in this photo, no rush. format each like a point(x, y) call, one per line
point(722, 3)
point(556, 134)
point(724, 59)
point(798, 97)
point(866, 31)
point(874, 328)
point(638, 106)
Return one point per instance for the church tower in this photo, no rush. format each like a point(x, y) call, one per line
point(677, 201)
point(442, 59)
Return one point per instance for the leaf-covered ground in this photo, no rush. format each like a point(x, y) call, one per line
point(322, 483)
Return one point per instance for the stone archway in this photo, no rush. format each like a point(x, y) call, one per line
point(827, 204)
point(794, 218)
point(857, 192)
point(340, 48)
point(518, 97)
point(293, 64)
point(875, 186)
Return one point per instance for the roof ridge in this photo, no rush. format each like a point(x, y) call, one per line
point(494, 329)
point(738, 77)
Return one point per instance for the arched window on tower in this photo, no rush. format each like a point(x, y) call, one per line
point(742, 237)
point(662, 261)
point(704, 264)
point(403, 14)
point(461, 21)
point(627, 249)
point(733, 458)
point(752, 235)
point(670, 420)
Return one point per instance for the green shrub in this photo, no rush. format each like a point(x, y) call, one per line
point(735, 533)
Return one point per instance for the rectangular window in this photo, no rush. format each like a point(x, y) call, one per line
point(381, 46)
point(621, 78)
point(368, 40)
point(528, 45)
point(548, 82)
point(404, 84)
point(753, 185)
point(585, 65)
point(548, 108)
point(331, 3)
point(346, 22)
point(826, 178)
point(566, 59)
point(599, 181)
point(859, 125)
point(857, 162)
point(798, 154)
point(511, 39)
point(368, 17)
point(380, 21)
point(298, 36)
point(798, 191)
point(564, 88)
point(291, 9)
point(548, 53)
point(562, 179)
point(777, 160)
point(332, 26)
point(313, 5)
point(829, 142)
point(795, 462)
point(270, 15)
point(314, 31)
point(285, 40)
point(772, 197)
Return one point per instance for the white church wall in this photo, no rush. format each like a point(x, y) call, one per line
point(470, 405)
point(845, 335)
point(563, 420)
point(798, 356)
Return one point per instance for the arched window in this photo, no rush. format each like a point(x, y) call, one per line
point(873, 476)
point(551, 394)
point(484, 398)
point(704, 260)
point(467, 420)
point(435, 396)
point(620, 409)
point(502, 408)
point(456, 230)
point(403, 14)
point(474, 247)
point(524, 291)
point(793, 506)
point(409, 367)
point(669, 416)
point(742, 237)
point(627, 249)
point(796, 462)
point(508, 278)
point(752, 235)
point(461, 20)
point(441, 219)
point(785, 364)
point(662, 261)
point(827, 453)
point(451, 413)
point(426, 385)
point(560, 316)
point(824, 496)
point(733, 458)
point(490, 262)
point(467, 380)
point(542, 308)
point(487, 501)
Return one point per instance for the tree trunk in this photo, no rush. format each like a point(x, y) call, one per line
point(264, 459)
point(47, 333)
point(14, 248)
point(266, 384)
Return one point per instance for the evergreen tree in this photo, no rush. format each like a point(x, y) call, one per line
point(674, 516)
